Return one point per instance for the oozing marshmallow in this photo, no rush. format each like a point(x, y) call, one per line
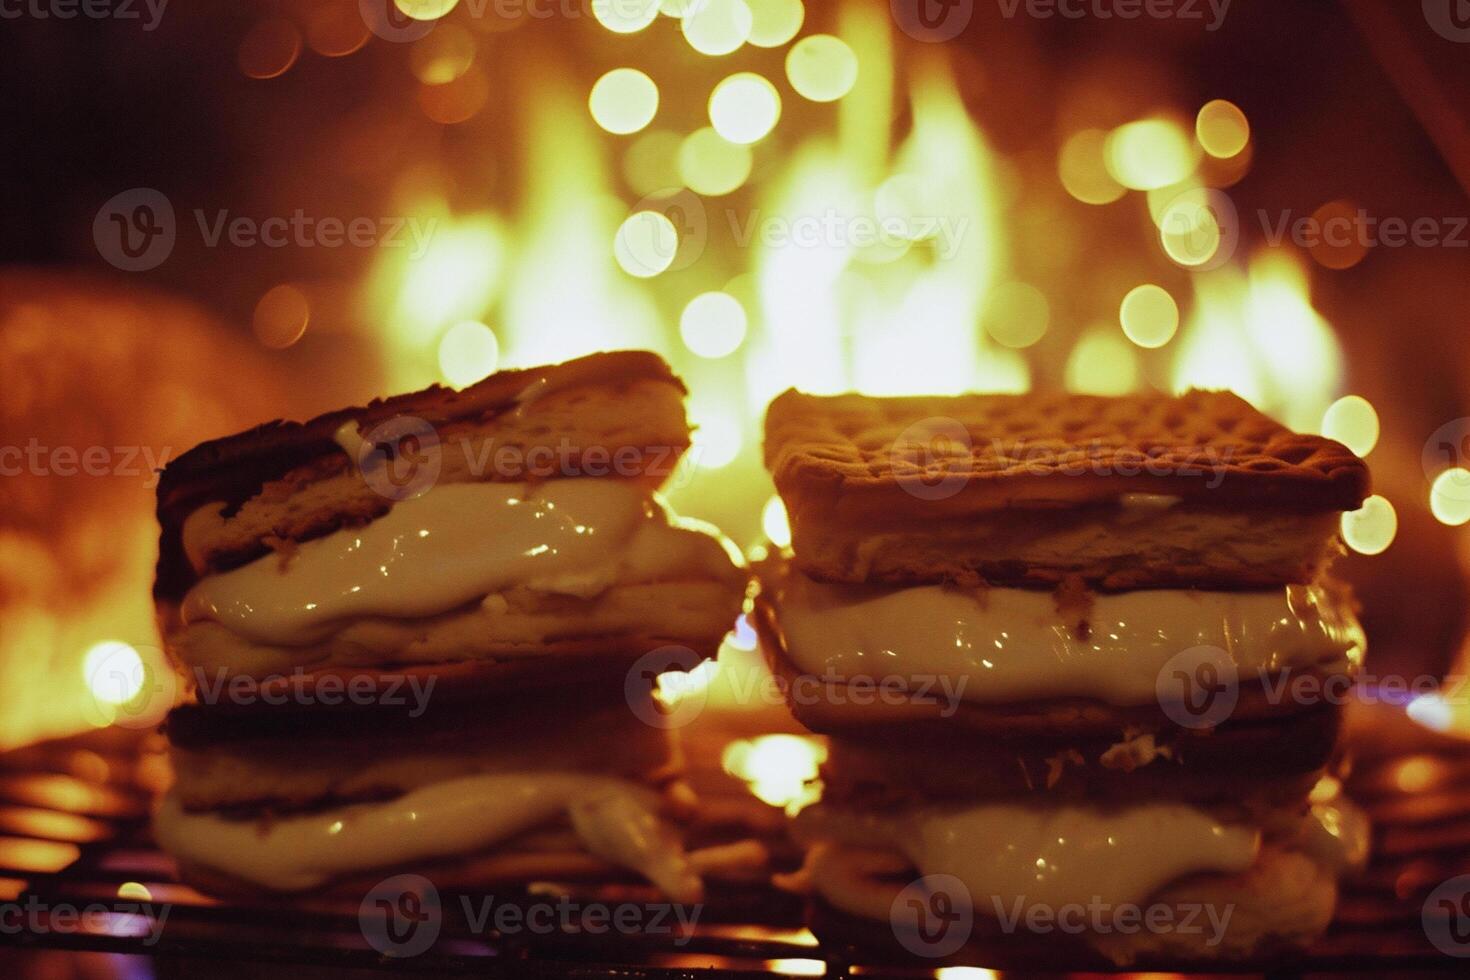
point(1010, 645)
point(456, 544)
point(616, 820)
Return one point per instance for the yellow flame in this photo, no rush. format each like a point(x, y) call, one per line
point(780, 769)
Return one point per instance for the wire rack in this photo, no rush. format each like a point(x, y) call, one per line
point(73, 834)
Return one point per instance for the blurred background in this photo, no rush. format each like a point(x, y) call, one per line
point(219, 213)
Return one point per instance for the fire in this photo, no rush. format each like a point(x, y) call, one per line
point(780, 769)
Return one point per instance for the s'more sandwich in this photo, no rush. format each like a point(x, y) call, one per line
point(408, 633)
point(1055, 642)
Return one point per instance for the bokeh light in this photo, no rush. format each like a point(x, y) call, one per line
point(1190, 230)
point(1338, 240)
point(456, 101)
point(442, 55)
point(336, 30)
point(1017, 314)
point(713, 324)
point(716, 439)
point(1102, 363)
point(1370, 529)
point(1082, 166)
point(425, 9)
point(744, 107)
point(1222, 129)
point(1449, 497)
point(114, 672)
point(711, 165)
point(623, 101)
point(1150, 153)
point(774, 22)
point(625, 16)
point(1149, 315)
point(269, 49)
point(775, 522)
point(468, 352)
point(821, 68)
point(645, 244)
point(716, 27)
point(281, 316)
point(1352, 421)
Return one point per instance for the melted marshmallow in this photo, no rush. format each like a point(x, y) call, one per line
point(456, 544)
point(615, 820)
point(1012, 645)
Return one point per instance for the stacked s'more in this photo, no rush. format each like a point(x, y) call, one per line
point(1087, 615)
point(407, 632)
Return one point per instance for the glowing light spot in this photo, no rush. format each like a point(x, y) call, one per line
point(1437, 713)
point(1149, 153)
point(822, 68)
point(1149, 315)
point(1370, 529)
point(1352, 421)
point(711, 165)
point(1338, 239)
point(625, 16)
point(623, 101)
point(713, 324)
point(1190, 229)
point(651, 162)
point(1017, 314)
point(425, 9)
point(269, 49)
point(716, 441)
point(281, 316)
point(456, 101)
point(676, 685)
point(774, 22)
point(114, 672)
point(336, 30)
point(1449, 497)
point(645, 244)
point(780, 769)
point(1083, 168)
point(1222, 129)
point(717, 27)
point(1102, 363)
point(745, 107)
point(775, 522)
point(134, 890)
point(442, 55)
point(468, 352)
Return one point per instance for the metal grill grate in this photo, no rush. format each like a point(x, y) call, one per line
point(73, 833)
